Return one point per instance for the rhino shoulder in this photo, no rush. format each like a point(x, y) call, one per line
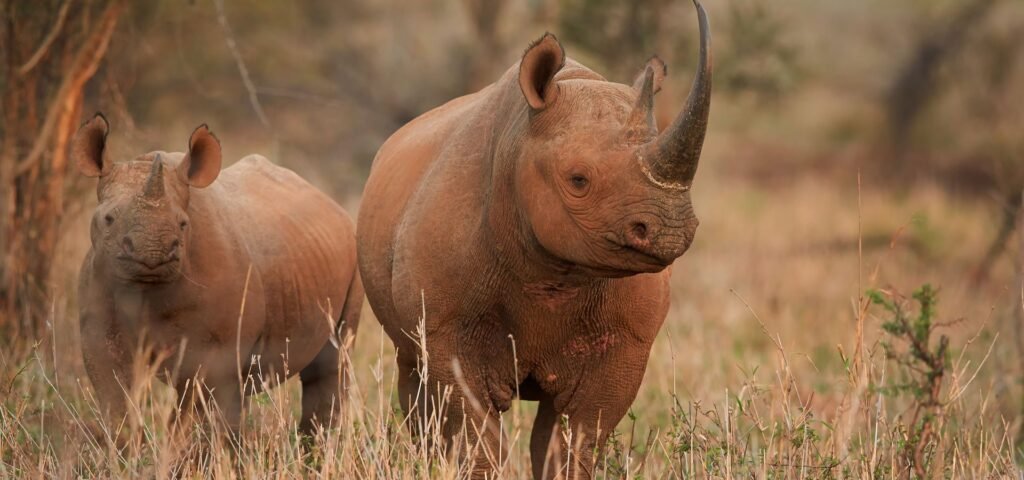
point(260, 166)
point(257, 161)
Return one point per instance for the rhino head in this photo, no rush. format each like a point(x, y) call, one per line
point(141, 230)
point(600, 187)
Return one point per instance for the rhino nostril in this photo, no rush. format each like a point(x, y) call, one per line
point(639, 231)
point(127, 245)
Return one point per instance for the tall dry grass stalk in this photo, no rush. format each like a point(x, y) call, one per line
point(759, 430)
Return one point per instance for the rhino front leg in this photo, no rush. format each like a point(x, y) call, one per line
point(594, 408)
point(107, 356)
point(217, 399)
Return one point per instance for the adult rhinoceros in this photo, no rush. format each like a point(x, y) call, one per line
point(532, 224)
point(175, 255)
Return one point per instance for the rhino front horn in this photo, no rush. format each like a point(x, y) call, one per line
point(154, 188)
point(672, 158)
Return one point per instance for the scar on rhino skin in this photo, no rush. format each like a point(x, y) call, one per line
point(551, 294)
point(586, 346)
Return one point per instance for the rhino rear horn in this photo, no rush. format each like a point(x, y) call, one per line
point(641, 123)
point(542, 60)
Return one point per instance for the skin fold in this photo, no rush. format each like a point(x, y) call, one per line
point(532, 226)
point(178, 246)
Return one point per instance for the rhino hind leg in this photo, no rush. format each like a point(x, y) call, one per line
point(548, 442)
point(321, 390)
point(324, 380)
point(545, 453)
point(590, 412)
point(548, 445)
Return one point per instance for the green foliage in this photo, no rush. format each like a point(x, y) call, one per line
point(922, 364)
point(620, 36)
point(760, 58)
point(927, 238)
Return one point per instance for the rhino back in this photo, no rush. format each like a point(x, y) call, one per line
point(300, 243)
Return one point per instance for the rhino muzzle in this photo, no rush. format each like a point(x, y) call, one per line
point(661, 243)
point(150, 251)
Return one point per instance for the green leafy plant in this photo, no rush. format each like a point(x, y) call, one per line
point(922, 362)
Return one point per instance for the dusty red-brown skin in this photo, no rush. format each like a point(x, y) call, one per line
point(171, 253)
point(544, 210)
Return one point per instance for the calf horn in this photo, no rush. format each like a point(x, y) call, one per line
point(154, 188)
point(671, 159)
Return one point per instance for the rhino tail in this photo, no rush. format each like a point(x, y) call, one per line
point(348, 322)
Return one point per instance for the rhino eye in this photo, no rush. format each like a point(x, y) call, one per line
point(108, 219)
point(184, 225)
point(579, 181)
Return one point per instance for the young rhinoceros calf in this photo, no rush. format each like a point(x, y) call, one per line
point(537, 218)
point(174, 256)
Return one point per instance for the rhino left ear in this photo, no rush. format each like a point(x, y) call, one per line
point(201, 164)
point(542, 60)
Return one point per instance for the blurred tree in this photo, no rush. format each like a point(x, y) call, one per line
point(49, 54)
point(916, 83)
point(620, 35)
point(990, 72)
point(758, 57)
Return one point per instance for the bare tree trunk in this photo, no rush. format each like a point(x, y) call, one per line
point(7, 155)
point(1008, 225)
point(913, 88)
point(34, 159)
point(1018, 295)
point(1020, 280)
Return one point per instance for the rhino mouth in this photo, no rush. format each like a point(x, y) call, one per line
point(649, 257)
point(145, 271)
point(639, 259)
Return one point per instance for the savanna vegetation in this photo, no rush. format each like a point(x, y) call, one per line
point(851, 307)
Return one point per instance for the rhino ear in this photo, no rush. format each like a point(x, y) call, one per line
point(660, 72)
point(201, 164)
point(89, 145)
point(542, 60)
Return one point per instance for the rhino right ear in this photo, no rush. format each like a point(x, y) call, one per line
point(89, 146)
point(542, 60)
point(201, 164)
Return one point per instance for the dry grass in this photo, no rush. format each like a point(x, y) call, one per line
point(770, 365)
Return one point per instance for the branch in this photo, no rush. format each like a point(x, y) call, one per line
point(84, 67)
point(45, 46)
point(242, 70)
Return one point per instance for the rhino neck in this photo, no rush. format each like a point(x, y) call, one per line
point(515, 247)
point(217, 239)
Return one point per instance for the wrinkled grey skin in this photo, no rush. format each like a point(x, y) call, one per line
point(532, 226)
point(174, 256)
